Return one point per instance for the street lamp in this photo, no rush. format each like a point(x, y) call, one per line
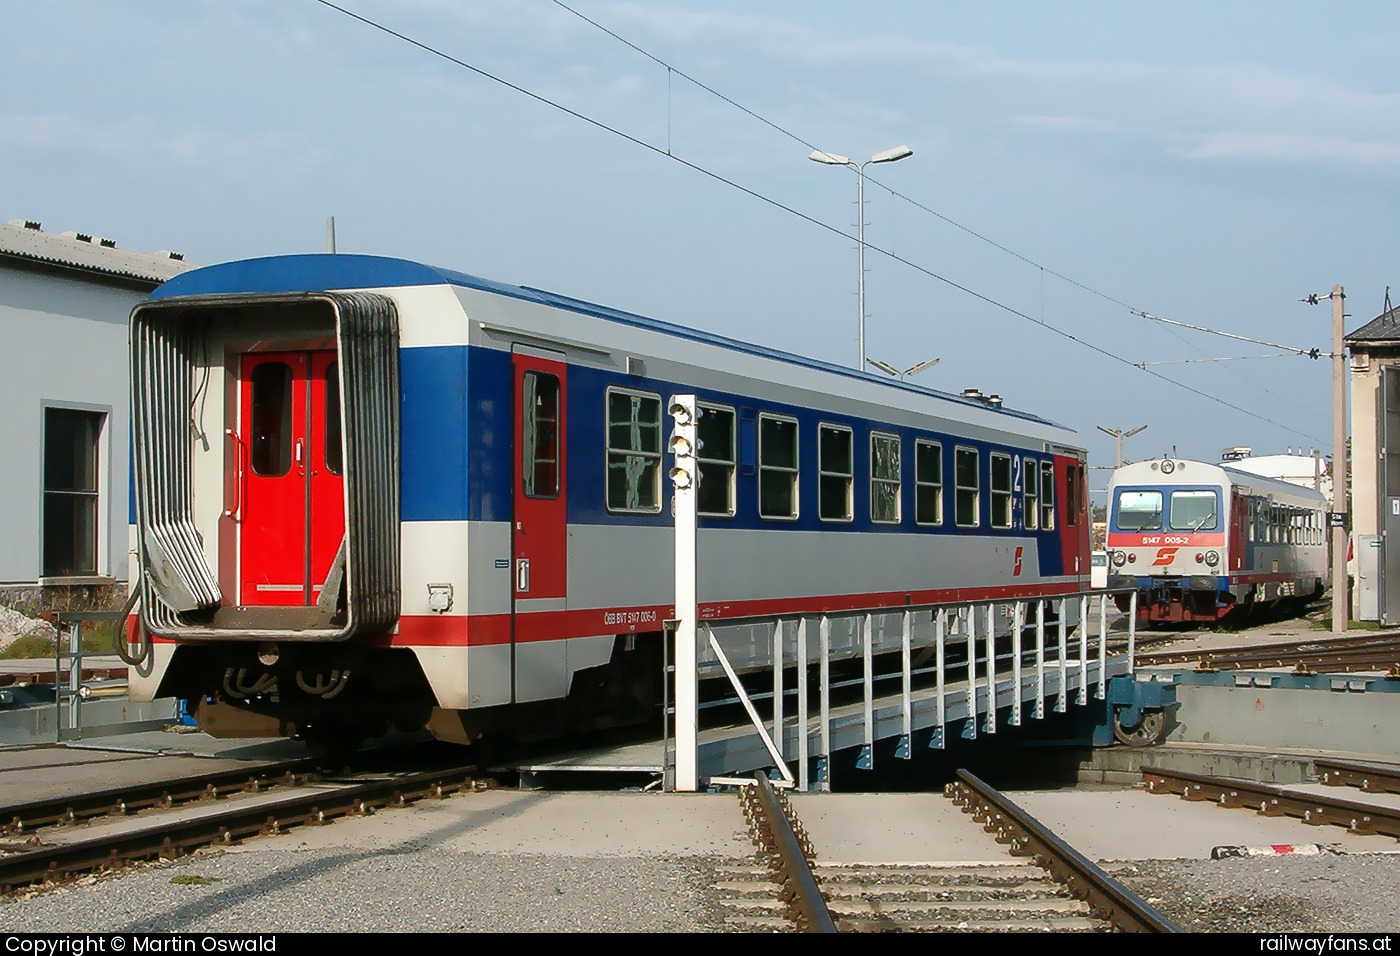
point(832, 159)
point(1118, 434)
point(889, 369)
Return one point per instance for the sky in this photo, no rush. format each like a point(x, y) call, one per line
point(1210, 162)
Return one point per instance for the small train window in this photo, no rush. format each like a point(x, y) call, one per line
point(835, 472)
point(634, 451)
point(777, 467)
point(715, 429)
point(928, 482)
point(539, 444)
point(1073, 493)
point(332, 384)
point(1195, 511)
point(1001, 490)
point(884, 478)
point(1032, 503)
point(270, 445)
point(965, 480)
point(1047, 495)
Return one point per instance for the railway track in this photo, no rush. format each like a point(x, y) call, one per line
point(1273, 800)
point(1339, 655)
point(58, 852)
point(1046, 885)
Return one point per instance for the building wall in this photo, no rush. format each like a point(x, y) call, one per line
point(1365, 461)
point(64, 344)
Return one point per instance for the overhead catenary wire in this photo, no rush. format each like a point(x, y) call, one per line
point(777, 204)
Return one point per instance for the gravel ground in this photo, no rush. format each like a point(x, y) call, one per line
point(397, 890)
point(1331, 893)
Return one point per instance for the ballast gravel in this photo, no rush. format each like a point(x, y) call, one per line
point(408, 889)
point(1329, 893)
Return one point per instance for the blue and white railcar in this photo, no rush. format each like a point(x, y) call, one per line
point(368, 491)
point(1199, 540)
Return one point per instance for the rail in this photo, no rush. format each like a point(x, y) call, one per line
point(1363, 775)
point(1340, 654)
point(1027, 836)
point(1272, 800)
point(789, 853)
point(169, 839)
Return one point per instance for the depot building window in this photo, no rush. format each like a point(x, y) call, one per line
point(72, 505)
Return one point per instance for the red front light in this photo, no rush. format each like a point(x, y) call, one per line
point(1200, 558)
point(1132, 558)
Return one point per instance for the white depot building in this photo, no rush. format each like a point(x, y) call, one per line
point(64, 303)
point(1311, 470)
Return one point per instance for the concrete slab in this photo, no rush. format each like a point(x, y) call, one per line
point(198, 744)
point(893, 828)
point(580, 824)
point(1136, 825)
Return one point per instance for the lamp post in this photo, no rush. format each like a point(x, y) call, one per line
point(889, 369)
point(1119, 435)
point(832, 159)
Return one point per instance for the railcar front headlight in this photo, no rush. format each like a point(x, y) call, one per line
point(1119, 559)
point(1212, 558)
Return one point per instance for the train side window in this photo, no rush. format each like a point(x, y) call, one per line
point(539, 445)
point(777, 467)
point(1031, 471)
point(1001, 490)
point(270, 451)
point(715, 429)
point(634, 451)
point(835, 472)
point(928, 482)
point(333, 440)
point(1074, 493)
point(884, 478)
point(1047, 495)
point(965, 482)
point(1253, 518)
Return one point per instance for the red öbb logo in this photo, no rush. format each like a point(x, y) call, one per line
point(1165, 556)
point(1017, 572)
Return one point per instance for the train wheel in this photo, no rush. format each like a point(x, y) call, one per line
point(1147, 732)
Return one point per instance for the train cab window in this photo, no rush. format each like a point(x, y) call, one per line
point(1001, 490)
point(333, 440)
point(966, 487)
point(928, 482)
point(715, 429)
point(634, 451)
point(1195, 511)
point(777, 467)
point(835, 472)
point(539, 446)
point(884, 478)
point(1030, 473)
point(270, 445)
point(1047, 495)
point(1138, 511)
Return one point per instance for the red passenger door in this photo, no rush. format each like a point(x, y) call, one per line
point(290, 512)
point(540, 535)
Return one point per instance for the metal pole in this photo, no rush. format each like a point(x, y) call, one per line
point(1339, 464)
point(683, 411)
point(860, 257)
point(330, 234)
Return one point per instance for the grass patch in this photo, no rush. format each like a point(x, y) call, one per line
point(99, 637)
point(195, 880)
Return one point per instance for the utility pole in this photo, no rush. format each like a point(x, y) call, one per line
point(1339, 517)
point(1118, 436)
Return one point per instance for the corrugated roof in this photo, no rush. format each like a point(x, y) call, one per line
point(1383, 328)
point(25, 240)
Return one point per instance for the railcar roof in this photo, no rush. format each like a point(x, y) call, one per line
point(336, 272)
point(1140, 473)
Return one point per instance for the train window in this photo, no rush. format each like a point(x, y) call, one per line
point(1047, 495)
point(1195, 510)
point(1138, 511)
point(1032, 494)
point(1001, 490)
point(884, 478)
point(715, 429)
point(835, 472)
point(965, 482)
point(777, 467)
point(539, 439)
point(1073, 493)
point(928, 482)
point(270, 446)
point(332, 384)
point(634, 451)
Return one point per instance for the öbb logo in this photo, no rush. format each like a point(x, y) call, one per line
point(1016, 573)
point(1165, 556)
